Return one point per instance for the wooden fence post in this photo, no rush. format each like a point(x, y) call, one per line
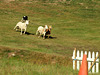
point(89, 62)
point(78, 65)
point(74, 59)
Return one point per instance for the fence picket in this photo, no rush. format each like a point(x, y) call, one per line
point(97, 64)
point(93, 57)
point(78, 61)
point(89, 63)
point(81, 56)
point(74, 59)
point(86, 52)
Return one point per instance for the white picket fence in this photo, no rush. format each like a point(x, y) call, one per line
point(92, 59)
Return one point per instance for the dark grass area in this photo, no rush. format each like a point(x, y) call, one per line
point(33, 57)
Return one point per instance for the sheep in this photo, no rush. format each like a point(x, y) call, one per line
point(22, 26)
point(43, 31)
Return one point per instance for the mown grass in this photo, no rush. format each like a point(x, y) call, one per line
point(74, 25)
point(29, 63)
point(15, 67)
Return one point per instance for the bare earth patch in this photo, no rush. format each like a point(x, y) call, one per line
point(8, 1)
point(33, 57)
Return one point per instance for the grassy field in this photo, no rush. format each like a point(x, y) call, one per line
point(74, 25)
point(14, 67)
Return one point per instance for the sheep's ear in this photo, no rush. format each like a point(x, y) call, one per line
point(50, 26)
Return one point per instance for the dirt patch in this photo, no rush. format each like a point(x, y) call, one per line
point(8, 1)
point(34, 57)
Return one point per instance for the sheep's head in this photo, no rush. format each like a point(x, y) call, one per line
point(46, 27)
point(50, 27)
point(27, 22)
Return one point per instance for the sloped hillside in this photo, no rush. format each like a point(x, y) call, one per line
point(75, 24)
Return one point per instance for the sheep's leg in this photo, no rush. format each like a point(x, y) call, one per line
point(44, 35)
point(24, 31)
point(21, 32)
point(39, 36)
point(15, 27)
point(37, 32)
point(48, 36)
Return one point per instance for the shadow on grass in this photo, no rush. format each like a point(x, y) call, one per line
point(28, 33)
point(50, 37)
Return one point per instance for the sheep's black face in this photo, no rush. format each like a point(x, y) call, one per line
point(25, 17)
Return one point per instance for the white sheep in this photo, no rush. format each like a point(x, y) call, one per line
point(22, 26)
point(43, 31)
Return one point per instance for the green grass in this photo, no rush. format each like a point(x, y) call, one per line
point(15, 67)
point(73, 26)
